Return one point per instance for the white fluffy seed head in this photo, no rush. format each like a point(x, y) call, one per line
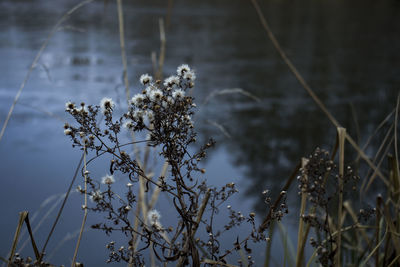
point(182, 69)
point(108, 179)
point(137, 100)
point(96, 196)
point(178, 94)
point(153, 217)
point(128, 124)
point(189, 75)
point(149, 115)
point(67, 132)
point(138, 115)
point(155, 95)
point(106, 105)
point(145, 79)
point(171, 81)
point(69, 106)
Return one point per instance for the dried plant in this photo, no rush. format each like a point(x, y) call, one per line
point(164, 110)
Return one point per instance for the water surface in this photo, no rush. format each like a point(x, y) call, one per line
point(347, 52)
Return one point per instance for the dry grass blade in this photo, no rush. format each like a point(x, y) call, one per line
point(28, 225)
point(374, 174)
point(289, 253)
point(349, 209)
point(341, 136)
point(61, 208)
point(37, 57)
point(334, 234)
point(396, 120)
point(85, 211)
point(300, 234)
point(43, 218)
point(22, 216)
point(157, 190)
point(392, 229)
point(394, 261)
point(243, 257)
point(60, 243)
point(162, 49)
point(48, 113)
point(395, 179)
point(219, 127)
point(141, 202)
point(376, 131)
point(378, 222)
point(230, 91)
point(198, 219)
point(380, 149)
point(122, 42)
point(375, 250)
point(269, 245)
point(366, 159)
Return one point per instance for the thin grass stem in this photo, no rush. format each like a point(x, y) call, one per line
point(85, 211)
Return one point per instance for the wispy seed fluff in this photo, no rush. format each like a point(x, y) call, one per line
point(83, 109)
point(128, 124)
point(170, 81)
point(178, 94)
point(96, 196)
point(189, 75)
point(67, 132)
point(138, 115)
point(106, 105)
point(108, 179)
point(145, 79)
point(153, 217)
point(182, 69)
point(155, 95)
point(149, 90)
point(150, 115)
point(137, 100)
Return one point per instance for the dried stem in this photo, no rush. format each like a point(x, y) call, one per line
point(85, 210)
point(341, 136)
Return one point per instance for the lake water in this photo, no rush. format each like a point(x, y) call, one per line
point(346, 50)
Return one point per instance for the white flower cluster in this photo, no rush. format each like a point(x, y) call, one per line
point(158, 103)
point(73, 109)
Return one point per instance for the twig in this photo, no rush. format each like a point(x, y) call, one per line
point(264, 225)
point(22, 216)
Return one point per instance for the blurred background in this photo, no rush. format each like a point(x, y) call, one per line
point(348, 51)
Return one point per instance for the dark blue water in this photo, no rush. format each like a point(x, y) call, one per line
point(347, 51)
